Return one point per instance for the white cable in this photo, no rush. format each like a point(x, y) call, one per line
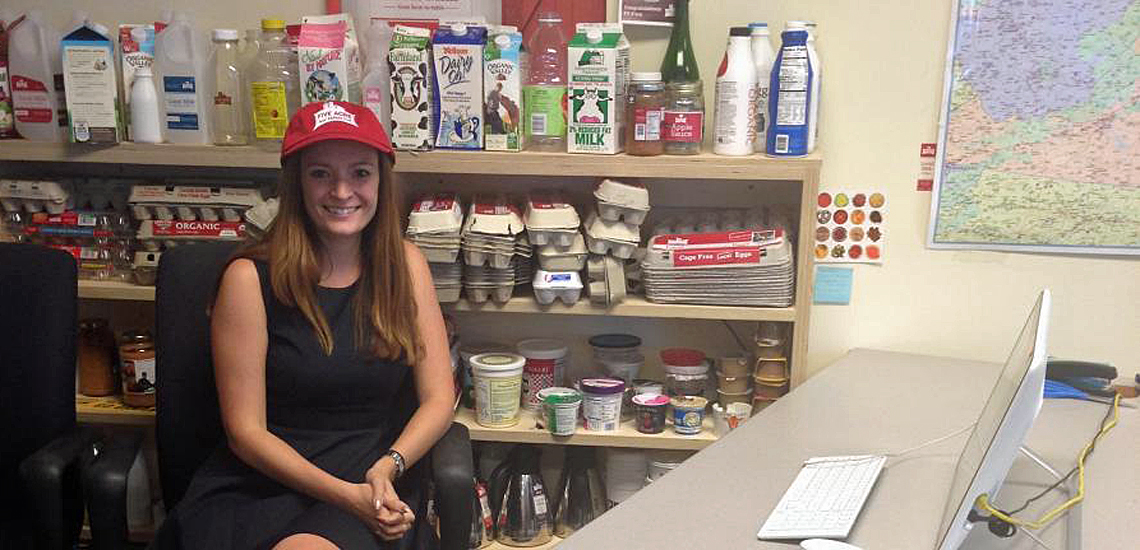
point(950, 435)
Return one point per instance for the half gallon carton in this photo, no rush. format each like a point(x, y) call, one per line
point(502, 82)
point(89, 78)
point(329, 58)
point(457, 108)
point(409, 59)
point(136, 50)
point(598, 66)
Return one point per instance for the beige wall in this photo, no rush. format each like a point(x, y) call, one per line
point(883, 65)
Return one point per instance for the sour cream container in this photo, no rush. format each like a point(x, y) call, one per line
point(498, 387)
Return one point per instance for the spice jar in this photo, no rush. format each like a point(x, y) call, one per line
point(96, 355)
point(683, 123)
point(136, 360)
point(646, 106)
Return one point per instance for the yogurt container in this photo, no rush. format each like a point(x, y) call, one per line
point(560, 409)
point(650, 412)
point(733, 366)
point(771, 370)
point(602, 403)
point(726, 398)
point(498, 387)
point(688, 414)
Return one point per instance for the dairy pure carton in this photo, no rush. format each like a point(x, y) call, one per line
point(457, 106)
point(598, 67)
point(503, 71)
point(409, 59)
point(133, 55)
point(89, 78)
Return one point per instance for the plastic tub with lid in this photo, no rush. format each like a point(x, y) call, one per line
point(498, 388)
point(602, 399)
point(548, 350)
point(684, 361)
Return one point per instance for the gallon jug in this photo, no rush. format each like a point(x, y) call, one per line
point(34, 59)
point(377, 82)
point(180, 70)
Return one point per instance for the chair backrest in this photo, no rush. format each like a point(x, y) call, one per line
point(38, 308)
point(188, 424)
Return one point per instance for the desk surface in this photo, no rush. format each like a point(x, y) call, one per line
point(874, 401)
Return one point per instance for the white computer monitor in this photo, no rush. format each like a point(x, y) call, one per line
point(1009, 413)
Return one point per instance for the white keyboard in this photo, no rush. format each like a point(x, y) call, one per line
point(825, 498)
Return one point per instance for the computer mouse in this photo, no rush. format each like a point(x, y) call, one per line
point(826, 544)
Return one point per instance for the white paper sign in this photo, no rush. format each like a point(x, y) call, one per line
point(421, 9)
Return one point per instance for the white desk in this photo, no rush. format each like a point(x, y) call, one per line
point(873, 401)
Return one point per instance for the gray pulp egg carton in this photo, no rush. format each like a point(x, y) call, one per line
point(553, 257)
point(619, 239)
point(550, 219)
point(606, 285)
point(622, 201)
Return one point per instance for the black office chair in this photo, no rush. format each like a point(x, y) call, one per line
point(188, 420)
point(43, 502)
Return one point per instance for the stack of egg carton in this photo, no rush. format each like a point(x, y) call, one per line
point(434, 225)
point(613, 233)
point(495, 249)
point(552, 226)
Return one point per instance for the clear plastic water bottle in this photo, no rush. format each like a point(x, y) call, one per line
point(544, 91)
point(274, 91)
point(227, 100)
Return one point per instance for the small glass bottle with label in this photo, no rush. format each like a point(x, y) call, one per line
point(646, 106)
point(682, 126)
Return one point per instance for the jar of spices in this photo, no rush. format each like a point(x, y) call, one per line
point(646, 106)
point(684, 119)
point(137, 362)
point(96, 355)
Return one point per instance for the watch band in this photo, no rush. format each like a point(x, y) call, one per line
point(399, 460)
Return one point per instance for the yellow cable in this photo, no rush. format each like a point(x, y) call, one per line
point(983, 500)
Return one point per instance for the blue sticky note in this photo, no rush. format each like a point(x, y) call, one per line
point(832, 285)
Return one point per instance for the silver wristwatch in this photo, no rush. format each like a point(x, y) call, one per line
point(399, 460)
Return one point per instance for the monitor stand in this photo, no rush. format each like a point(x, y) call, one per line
point(1072, 516)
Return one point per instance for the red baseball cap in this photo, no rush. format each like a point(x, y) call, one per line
point(322, 120)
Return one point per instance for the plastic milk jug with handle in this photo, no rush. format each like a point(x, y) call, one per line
point(180, 69)
point(35, 103)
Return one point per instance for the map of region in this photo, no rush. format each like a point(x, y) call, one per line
point(1040, 148)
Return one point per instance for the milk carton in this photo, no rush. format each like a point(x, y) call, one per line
point(330, 66)
point(503, 71)
point(598, 67)
point(89, 78)
point(136, 50)
point(409, 59)
point(457, 106)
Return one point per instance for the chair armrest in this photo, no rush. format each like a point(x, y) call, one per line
point(454, 477)
point(105, 486)
point(51, 477)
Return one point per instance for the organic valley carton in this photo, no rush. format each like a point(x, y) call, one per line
point(133, 55)
point(457, 106)
point(409, 59)
point(598, 66)
point(502, 89)
point(92, 89)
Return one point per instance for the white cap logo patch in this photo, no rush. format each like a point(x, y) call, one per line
point(331, 112)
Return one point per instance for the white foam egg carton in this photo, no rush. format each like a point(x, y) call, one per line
point(436, 213)
point(561, 285)
point(34, 196)
point(629, 195)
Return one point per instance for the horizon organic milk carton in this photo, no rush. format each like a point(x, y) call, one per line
point(503, 71)
point(89, 76)
point(598, 66)
point(457, 104)
point(330, 66)
point(409, 60)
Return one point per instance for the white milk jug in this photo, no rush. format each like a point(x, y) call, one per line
point(180, 76)
point(34, 59)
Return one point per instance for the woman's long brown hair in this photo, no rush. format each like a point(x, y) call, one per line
point(385, 308)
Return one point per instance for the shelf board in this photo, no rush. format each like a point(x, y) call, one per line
point(111, 410)
point(115, 290)
point(702, 166)
point(633, 306)
point(625, 436)
point(555, 541)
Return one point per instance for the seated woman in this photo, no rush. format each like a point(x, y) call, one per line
point(315, 329)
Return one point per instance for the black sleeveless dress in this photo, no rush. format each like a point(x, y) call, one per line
point(341, 412)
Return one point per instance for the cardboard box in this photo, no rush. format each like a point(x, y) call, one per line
point(598, 66)
point(92, 88)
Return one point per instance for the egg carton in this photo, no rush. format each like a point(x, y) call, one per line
point(617, 249)
point(35, 196)
point(500, 294)
point(616, 212)
point(552, 257)
point(606, 285)
point(436, 213)
point(561, 285)
point(549, 210)
point(191, 203)
point(626, 194)
point(558, 237)
point(191, 230)
point(495, 260)
point(447, 294)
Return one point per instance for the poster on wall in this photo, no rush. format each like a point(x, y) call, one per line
point(850, 227)
point(1038, 152)
point(422, 9)
point(656, 13)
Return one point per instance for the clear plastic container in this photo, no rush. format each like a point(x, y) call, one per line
point(274, 91)
point(228, 105)
point(544, 89)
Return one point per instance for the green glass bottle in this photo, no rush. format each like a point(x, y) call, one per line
point(680, 64)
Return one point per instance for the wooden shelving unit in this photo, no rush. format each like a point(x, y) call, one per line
point(526, 431)
point(111, 410)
